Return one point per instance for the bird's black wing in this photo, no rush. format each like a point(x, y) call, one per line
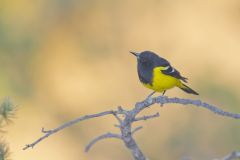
point(169, 70)
point(174, 73)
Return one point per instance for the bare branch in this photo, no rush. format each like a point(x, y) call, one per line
point(137, 129)
point(101, 137)
point(232, 156)
point(45, 131)
point(130, 116)
point(65, 125)
point(117, 117)
point(144, 118)
point(164, 100)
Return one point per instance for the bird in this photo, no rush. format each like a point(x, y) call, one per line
point(156, 73)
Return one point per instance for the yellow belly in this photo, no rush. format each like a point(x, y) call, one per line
point(162, 82)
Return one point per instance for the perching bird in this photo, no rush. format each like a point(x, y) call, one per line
point(157, 74)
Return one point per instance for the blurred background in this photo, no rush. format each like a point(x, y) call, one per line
point(60, 59)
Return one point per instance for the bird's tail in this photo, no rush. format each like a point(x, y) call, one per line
point(187, 89)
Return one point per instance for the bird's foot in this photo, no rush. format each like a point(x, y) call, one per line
point(149, 98)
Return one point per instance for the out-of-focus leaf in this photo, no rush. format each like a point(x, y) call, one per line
point(7, 109)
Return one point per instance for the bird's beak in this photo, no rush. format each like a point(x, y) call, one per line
point(135, 53)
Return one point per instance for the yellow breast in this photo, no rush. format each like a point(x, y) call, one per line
point(162, 82)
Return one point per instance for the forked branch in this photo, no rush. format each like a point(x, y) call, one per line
point(129, 117)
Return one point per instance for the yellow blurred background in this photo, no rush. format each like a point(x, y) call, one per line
point(60, 59)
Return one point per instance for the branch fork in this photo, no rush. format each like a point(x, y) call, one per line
point(131, 116)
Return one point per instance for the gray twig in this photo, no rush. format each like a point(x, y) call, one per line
point(232, 156)
point(144, 118)
point(130, 116)
point(117, 117)
point(164, 100)
point(65, 125)
point(101, 137)
point(137, 129)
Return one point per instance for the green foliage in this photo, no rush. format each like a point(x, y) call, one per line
point(7, 109)
point(4, 151)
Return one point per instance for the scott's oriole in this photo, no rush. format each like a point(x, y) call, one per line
point(157, 74)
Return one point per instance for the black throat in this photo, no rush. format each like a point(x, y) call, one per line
point(145, 73)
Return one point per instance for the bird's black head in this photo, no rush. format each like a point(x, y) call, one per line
point(146, 58)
